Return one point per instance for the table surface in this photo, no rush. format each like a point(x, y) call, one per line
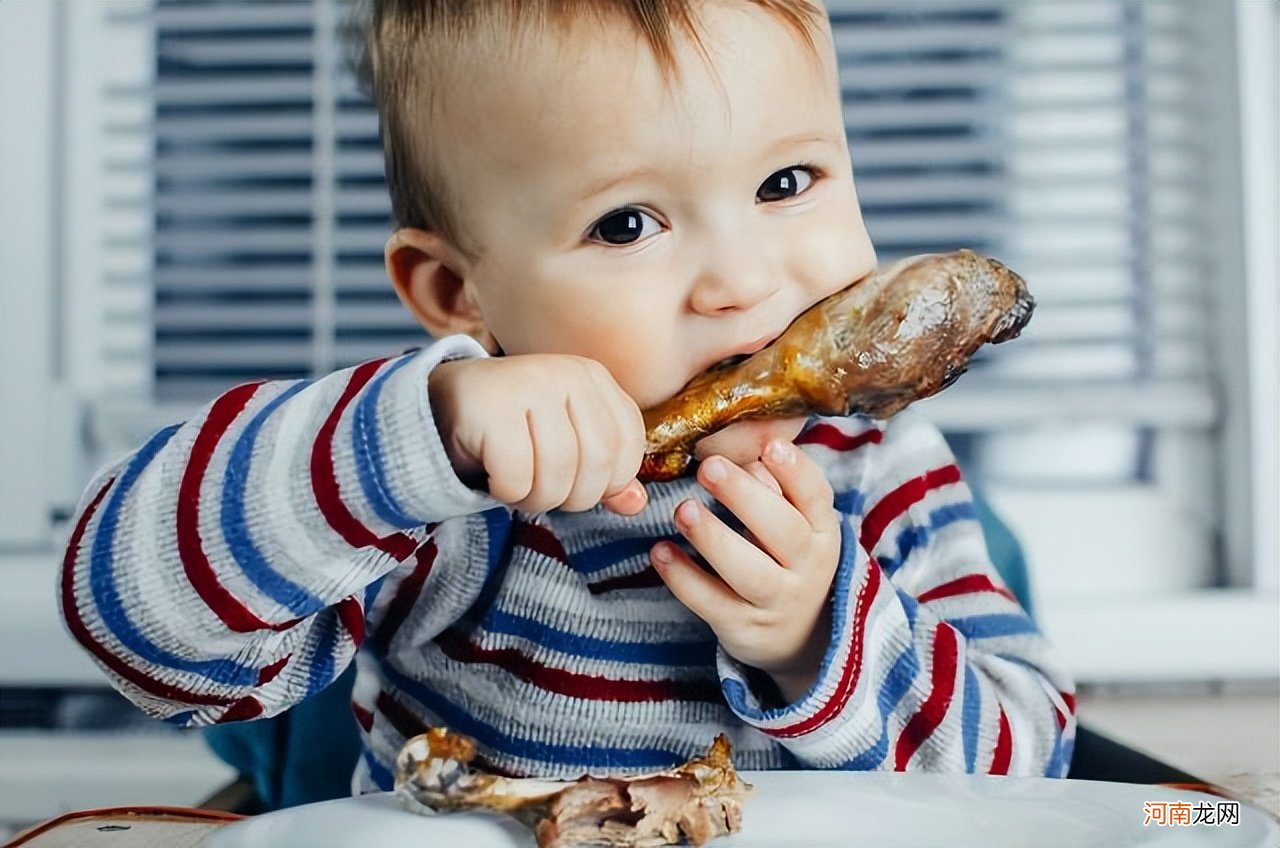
point(192, 828)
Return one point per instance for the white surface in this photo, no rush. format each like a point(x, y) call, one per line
point(43, 775)
point(27, 268)
point(812, 809)
point(1228, 738)
point(1206, 634)
point(35, 647)
point(1258, 26)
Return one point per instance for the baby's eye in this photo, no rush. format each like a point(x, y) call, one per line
point(785, 183)
point(624, 226)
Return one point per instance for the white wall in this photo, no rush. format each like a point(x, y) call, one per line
point(28, 265)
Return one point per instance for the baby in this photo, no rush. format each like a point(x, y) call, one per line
point(596, 202)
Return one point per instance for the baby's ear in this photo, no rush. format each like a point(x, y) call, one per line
point(429, 275)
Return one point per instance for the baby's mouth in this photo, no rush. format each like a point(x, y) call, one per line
point(744, 353)
point(730, 361)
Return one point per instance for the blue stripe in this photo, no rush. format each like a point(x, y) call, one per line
point(498, 526)
point(970, 715)
point(735, 693)
point(992, 626)
point(487, 615)
point(896, 684)
point(689, 654)
point(851, 502)
point(380, 774)
point(106, 595)
point(910, 606)
point(367, 447)
point(371, 591)
point(181, 719)
point(951, 513)
point(600, 557)
point(320, 674)
point(577, 756)
point(235, 526)
point(918, 535)
point(1060, 762)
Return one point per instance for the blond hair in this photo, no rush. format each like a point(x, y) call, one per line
point(402, 44)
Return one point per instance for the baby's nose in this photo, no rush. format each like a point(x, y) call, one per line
point(735, 278)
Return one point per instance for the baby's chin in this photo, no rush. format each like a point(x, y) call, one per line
point(744, 441)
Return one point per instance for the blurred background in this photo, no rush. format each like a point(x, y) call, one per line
point(191, 196)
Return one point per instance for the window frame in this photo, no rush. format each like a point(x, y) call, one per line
point(1163, 636)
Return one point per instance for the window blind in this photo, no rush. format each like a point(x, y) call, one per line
point(1066, 137)
point(270, 211)
point(1060, 136)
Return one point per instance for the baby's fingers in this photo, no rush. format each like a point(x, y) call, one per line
point(757, 470)
point(706, 595)
point(742, 565)
point(631, 499)
point(802, 484)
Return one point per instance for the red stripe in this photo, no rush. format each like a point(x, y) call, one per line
point(934, 709)
point(1059, 714)
point(81, 633)
point(324, 479)
point(406, 596)
point(363, 717)
point(968, 584)
point(539, 539)
point(195, 563)
point(1070, 701)
point(405, 722)
point(458, 647)
point(852, 667)
point(351, 614)
point(1004, 747)
point(242, 710)
point(646, 579)
point(269, 673)
point(895, 503)
point(833, 437)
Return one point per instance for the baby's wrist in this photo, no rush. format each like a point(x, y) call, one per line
point(796, 678)
point(794, 684)
point(443, 397)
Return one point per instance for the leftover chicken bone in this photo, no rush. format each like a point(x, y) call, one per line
point(901, 334)
point(696, 801)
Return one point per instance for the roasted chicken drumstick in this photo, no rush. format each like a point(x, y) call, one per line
point(899, 335)
point(693, 802)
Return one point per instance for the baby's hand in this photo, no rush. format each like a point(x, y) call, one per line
point(767, 600)
point(541, 431)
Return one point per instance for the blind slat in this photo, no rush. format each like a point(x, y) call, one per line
point(1004, 126)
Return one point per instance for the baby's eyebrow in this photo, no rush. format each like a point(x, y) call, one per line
point(611, 180)
point(802, 138)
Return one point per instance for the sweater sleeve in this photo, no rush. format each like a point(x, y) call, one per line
point(932, 664)
point(219, 572)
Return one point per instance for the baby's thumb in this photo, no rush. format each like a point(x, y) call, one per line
point(630, 500)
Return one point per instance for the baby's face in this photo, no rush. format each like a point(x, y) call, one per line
point(657, 227)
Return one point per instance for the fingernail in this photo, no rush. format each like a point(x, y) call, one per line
point(713, 469)
point(687, 513)
point(662, 554)
point(778, 450)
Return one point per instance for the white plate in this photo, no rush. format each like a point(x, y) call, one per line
point(810, 808)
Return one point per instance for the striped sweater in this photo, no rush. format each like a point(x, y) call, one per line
point(235, 564)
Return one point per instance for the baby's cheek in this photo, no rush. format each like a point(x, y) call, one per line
point(745, 441)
